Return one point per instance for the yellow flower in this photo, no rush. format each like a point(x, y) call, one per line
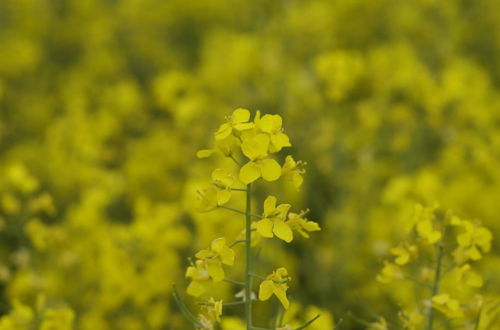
point(447, 305)
point(293, 170)
point(237, 122)
point(276, 284)
point(212, 309)
point(260, 165)
point(207, 199)
point(271, 124)
point(218, 253)
point(273, 221)
point(404, 253)
point(226, 147)
point(209, 266)
point(300, 224)
point(199, 275)
point(389, 273)
point(222, 180)
point(472, 241)
point(426, 231)
point(464, 274)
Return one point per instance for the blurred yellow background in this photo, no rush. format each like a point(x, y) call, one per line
point(104, 103)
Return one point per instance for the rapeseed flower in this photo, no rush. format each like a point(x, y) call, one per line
point(303, 226)
point(260, 165)
point(275, 283)
point(273, 221)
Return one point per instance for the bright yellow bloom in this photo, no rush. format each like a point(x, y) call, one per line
point(237, 122)
point(300, 224)
point(272, 125)
point(404, 253)
point(199, 276)
point(293, 170)
point(276, 284)
point(260, 165)
point(273, 221)
point(209, 266)
point(222, 180)
point(227, 147)
point(447, 305)
point(218, 194)
point(218, 253)
point(389, 273)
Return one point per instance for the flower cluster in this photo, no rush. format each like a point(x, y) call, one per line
point(451, 245)
point(250, 145)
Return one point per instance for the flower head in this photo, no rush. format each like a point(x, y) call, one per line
point(260, 165)
point(272, 125)
point(237, 122)
point(404, 253)
point(389, 273)
point(294, 170)
point(209, 266)
point(275, 283)
point(472, 241)
point(303, 226)
point(273, 221)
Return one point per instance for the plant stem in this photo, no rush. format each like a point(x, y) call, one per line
point(249, 268)
point(435, 286)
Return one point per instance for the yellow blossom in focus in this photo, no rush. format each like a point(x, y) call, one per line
point(199, 275)
point(237, 122)
point(271, 124)
point(260, 165)
point(273, 221)
point(218, 253)
point(275, 283)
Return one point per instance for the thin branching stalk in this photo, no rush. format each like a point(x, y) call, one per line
point(435, 286)
point(249, 268)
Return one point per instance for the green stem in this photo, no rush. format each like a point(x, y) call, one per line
point(307, 323)
point(249, 268)
point(234, 282)
point(239, 211)
point(435, 286)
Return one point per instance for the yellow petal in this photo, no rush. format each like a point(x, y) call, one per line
point(266, 290)
point(297, 180)
point(243, 126)
point(280, 292)
point(218, 244)
point(202, 254)
point(265, 227)
point(271, 170)
point(205, 153)
point(240, 115)
point(195, 289)
point(227, 256)
point(283, 231)
point(280, 140)
point(269, 205)
point(222, 177)
point(256, 146)
point(215, 270)
point(249, 173)
point(223, 132)
point(223, 196)
point(270, 123)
